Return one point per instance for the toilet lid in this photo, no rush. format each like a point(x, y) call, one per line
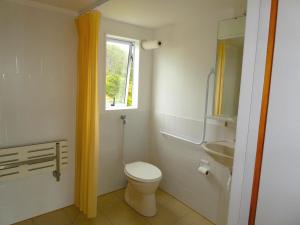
point(142, 171)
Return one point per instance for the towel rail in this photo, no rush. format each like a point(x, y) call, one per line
point(27, 162)
point(29, 159)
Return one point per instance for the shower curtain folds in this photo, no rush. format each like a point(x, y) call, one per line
point(87, 119)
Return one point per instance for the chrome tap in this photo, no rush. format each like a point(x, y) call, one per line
point(123, 118)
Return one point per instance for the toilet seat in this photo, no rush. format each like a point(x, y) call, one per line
point(143, 172)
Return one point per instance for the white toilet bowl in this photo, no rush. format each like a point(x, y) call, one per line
point(143, 180)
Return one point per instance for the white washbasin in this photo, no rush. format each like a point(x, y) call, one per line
point(221, 151)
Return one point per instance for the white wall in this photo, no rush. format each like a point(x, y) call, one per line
point(279, 192)
point(278, 201)
point(136, 145)
point(37, 94)
point(180, 69)
point(37, 104)
point(37, 101)
point(257, 28)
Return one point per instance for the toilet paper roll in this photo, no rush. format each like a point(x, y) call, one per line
point(203, 170)
point(149, 45)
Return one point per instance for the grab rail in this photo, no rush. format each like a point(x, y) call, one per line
point(181, 138)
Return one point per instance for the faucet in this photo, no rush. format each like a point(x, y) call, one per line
point(123, 118)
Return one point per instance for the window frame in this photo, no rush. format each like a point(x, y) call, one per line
point(133, 62)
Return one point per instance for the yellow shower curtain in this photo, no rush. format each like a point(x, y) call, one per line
point(87, 121)
point(219, 78)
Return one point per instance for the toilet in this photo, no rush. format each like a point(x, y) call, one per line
point(143, 181)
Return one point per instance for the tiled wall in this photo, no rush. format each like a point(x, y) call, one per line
point(136, 139)
point(37, 101)
point(180, 72)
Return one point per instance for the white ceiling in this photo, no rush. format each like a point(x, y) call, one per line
point(74, 5)
point(149, 13)
point(157, 13)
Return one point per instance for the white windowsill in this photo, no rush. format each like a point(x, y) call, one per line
point(114, 108)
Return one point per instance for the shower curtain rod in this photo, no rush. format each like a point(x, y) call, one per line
point(92, 6)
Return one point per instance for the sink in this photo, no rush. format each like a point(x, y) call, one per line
point(221, 151)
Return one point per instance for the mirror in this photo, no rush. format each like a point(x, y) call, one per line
point(228, 68)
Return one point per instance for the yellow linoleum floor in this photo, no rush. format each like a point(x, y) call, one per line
point(112, 210)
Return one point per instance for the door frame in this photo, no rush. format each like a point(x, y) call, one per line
point(264, 111)
point(249, 114)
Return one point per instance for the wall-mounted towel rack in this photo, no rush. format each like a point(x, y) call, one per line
point(25, 160)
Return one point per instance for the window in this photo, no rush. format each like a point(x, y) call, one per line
point(121, 73)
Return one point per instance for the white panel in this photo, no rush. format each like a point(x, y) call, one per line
point(232, 28)
point(279, 194)
point(256, 38)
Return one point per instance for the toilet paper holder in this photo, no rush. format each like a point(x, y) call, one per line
point(204, 167)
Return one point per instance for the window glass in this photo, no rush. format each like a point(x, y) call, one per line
point(120, 61)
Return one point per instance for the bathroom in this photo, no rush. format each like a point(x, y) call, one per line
point(167, 110)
